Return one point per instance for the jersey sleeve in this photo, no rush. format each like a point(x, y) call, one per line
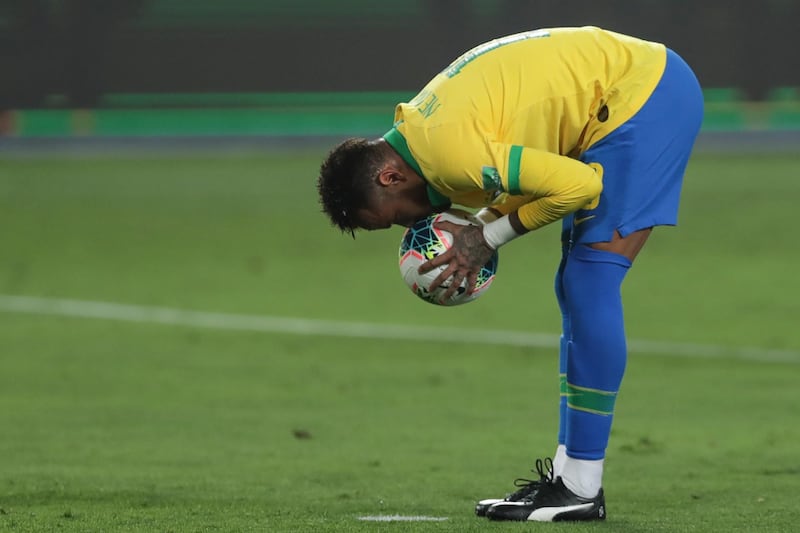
point(555, 185)
point(539, 185)
point(506, 203)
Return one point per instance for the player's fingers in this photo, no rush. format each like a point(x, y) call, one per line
point(441, 278)
point(455, 284)
point(439, 260)
point(446, 225)
point(472, 282)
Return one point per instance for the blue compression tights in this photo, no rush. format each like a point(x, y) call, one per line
point(593, 350)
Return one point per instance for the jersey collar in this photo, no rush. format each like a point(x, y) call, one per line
point(398, 142)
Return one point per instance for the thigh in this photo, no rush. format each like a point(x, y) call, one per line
point(629, 246)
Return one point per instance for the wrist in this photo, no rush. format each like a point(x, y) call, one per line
point(499, 232)
point(486, 215)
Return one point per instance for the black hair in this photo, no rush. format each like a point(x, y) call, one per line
point(345, 179)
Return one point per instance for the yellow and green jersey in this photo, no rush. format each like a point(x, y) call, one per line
point(504, 124)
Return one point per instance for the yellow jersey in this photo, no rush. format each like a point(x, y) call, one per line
point(504, 124)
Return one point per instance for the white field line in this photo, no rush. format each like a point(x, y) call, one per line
point(402, 518)
point(365, 330)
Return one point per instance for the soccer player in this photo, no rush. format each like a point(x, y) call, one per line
point(582, 125)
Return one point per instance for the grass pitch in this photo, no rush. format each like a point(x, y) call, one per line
point(121, 426)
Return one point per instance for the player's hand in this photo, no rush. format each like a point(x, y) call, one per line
point(464, 259)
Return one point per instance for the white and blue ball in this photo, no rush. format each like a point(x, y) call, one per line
point(421, 243)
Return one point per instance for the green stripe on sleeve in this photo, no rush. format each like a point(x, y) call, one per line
point(514, 160)
point(591, 400)
point(562, 378)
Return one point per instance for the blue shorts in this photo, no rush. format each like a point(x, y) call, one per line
point(644, 161)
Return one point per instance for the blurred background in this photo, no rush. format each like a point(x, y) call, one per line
point(290, 68)
point(187, 345)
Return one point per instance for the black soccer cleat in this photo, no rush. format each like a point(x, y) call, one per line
point(526, 489)
point(552, 502)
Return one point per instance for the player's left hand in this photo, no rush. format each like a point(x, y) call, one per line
point(464, 259)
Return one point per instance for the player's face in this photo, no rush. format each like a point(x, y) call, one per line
point(385, 214)
point(389, 208)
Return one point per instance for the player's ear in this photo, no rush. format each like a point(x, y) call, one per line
point(389, 176)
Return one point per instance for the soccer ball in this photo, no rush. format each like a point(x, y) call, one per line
point(422, 242)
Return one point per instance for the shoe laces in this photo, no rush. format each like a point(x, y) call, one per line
point(544, 468)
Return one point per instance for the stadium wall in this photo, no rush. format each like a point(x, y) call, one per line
point(291, 68)
point(70, 53)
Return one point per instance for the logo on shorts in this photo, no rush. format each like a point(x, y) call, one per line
point(579, 221)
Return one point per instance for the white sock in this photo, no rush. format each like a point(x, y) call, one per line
point(558, 460)
point(582, 477)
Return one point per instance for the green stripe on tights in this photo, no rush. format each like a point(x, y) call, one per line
point(591, 400)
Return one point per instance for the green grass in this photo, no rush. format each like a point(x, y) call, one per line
point(115, 426)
